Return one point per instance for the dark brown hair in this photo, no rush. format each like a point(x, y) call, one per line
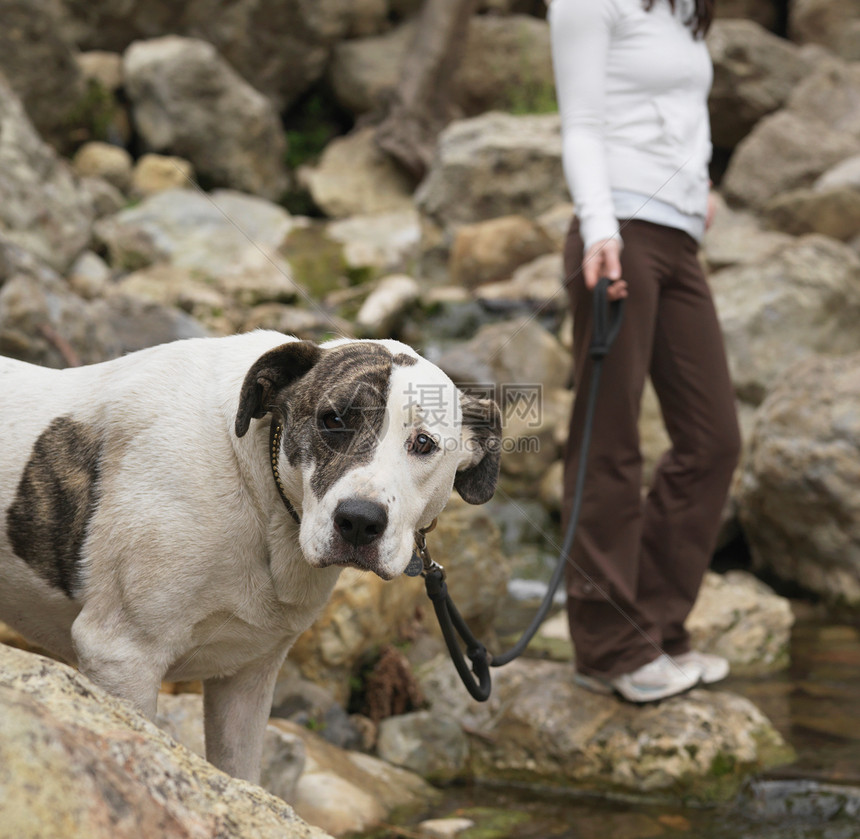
point(701, 19)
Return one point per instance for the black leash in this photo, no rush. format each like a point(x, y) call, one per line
point(607, 322)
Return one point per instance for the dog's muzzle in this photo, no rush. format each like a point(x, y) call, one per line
point(360, 522)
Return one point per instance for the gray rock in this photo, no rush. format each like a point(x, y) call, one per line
point(312, 324)
point(740, 618)
point(139, 324)
point(432, 744)
point(78, 762)
point(89, 276)
point(506, 66)
point(754, 75)
point(492, 250)
point(102, 67)
point(737, 237)
point(104, 160)
point(538, 726)
point(386, 306)
point(510, 355)
point(830, 97)
point(181, 716)
point(537, 283)
point(832, 211)
point(224, 236)
point(42, 322)
point(188, 101)
point(42, 209)
point(494, 165)
point(350, 792)
point(158, 172)
point(385, 242)
point(804, 300)
point(785, 150)
point(831, 23)
point(38, 59)
point(280, 48)
point(763, 13)
point(364, 70)
point(799, 498)
point(353, 177)
point(105, 198)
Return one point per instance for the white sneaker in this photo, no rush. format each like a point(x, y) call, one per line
point(658, 679)
point(714, 668)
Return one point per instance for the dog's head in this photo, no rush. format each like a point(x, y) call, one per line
point(375, 438)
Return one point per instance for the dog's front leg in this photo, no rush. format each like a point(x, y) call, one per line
point(117, 659)
point(235, 711)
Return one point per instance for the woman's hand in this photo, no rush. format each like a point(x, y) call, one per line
point(603, 259)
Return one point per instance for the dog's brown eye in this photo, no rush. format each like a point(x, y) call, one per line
point(423, 444)
point(332, 422)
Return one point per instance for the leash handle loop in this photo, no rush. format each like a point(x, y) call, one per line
point(606, 321)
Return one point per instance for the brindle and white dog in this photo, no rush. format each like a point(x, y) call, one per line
point(143, 535)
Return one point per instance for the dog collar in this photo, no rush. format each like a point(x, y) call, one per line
point(276, 430)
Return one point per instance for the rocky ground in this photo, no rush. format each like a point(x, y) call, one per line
point(156, 184)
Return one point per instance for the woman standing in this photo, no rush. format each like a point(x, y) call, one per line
point(632, 79)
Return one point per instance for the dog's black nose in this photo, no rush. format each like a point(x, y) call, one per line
point(360, 522)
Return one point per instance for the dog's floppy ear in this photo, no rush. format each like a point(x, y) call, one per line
point(481, 436)
point(269, 374)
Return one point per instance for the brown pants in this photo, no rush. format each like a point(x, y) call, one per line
point(636, 566)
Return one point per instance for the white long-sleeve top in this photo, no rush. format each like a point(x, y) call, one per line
point(632, 88)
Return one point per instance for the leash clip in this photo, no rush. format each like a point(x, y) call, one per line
point(421, 563)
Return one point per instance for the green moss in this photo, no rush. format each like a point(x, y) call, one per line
point(93, 116)
point(491, 823)
point(531, 97)
point(317, 262)
point(722, 765)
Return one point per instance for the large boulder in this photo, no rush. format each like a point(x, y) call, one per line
point(188, 101)
point(38, 59)
point(363, 71)
point(785, 150)
point(799, 498)
point(353, 177)
point(226, 238)
point(832, 23)
point(737, 237)
point(280, 48)
point(754, 74)
point(493, 165)
point(800, 302)
point(42, 209)
point(506, 65)
point(763, 12)
point(75, 761)
point(831, 96)
point(42, 321)
point(540, 727)
point(512, 358)
point(492, 250)
point(740, 618)
point(790, 149)
point(337, 790)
